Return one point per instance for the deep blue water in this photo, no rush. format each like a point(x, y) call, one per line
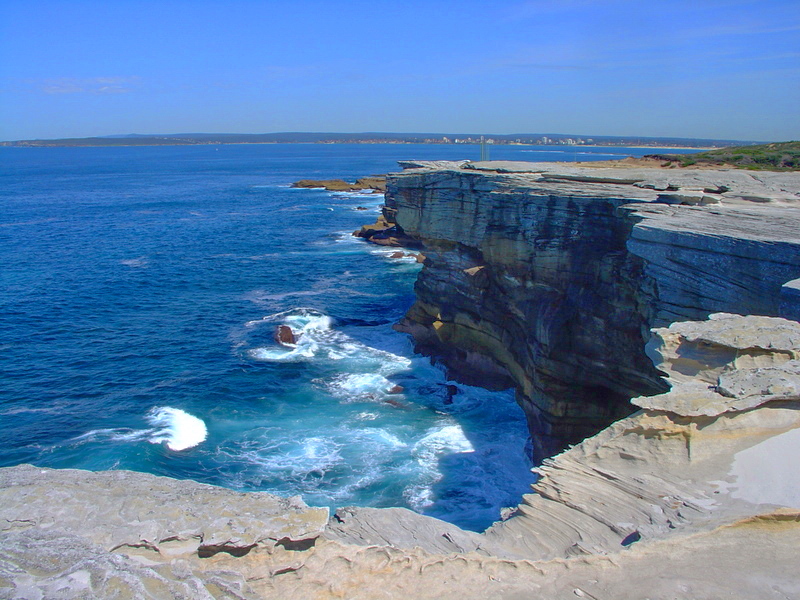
point(139, 292)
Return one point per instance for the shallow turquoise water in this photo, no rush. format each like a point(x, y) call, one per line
point(139, 292)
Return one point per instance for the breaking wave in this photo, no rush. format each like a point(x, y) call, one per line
point(427, 453)
point(177, 428)
point(316, 338)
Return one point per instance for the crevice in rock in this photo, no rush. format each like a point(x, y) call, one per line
point(141, 546)
point(211, 550)
point(297, 545)
point(286, 570)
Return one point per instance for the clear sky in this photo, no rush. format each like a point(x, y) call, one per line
point(725, 69)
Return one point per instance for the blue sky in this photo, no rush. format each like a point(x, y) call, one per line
point(701, 68)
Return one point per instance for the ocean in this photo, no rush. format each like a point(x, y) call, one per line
point(140, 289)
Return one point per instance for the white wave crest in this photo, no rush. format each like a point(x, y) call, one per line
point(361, 387)
point(427, 451)
point(177, 428)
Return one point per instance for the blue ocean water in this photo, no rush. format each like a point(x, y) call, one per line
point(139, 292)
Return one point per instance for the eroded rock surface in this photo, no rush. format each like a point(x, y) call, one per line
point(152, 515)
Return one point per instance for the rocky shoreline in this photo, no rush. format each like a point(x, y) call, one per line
point(549, 278)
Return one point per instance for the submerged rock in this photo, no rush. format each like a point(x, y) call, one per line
point(451, 391)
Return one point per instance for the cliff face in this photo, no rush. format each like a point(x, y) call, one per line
point(548, 277)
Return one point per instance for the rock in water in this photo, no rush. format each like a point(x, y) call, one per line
point(376, 183)
point(285, 336)
point(451, 391)
point(332, 185)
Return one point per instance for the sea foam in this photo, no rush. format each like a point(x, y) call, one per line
point(439, 441)
point(317, 338)
point(177, 428)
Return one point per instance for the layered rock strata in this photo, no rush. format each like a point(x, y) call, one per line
point(697, 495)
point(547, 277)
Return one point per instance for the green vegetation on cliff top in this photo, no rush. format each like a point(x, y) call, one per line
point(779, 156)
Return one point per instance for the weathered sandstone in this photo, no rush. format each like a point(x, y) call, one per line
point(671, 467)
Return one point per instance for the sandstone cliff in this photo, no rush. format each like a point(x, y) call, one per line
point(548, 277)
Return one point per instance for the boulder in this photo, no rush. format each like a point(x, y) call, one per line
point(285, 336)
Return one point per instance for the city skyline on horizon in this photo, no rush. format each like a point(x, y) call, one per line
point(718, 69)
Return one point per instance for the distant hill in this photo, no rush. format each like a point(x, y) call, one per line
point(778, 156)
point(180, 139)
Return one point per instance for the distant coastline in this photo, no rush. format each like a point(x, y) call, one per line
point(547, 140)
